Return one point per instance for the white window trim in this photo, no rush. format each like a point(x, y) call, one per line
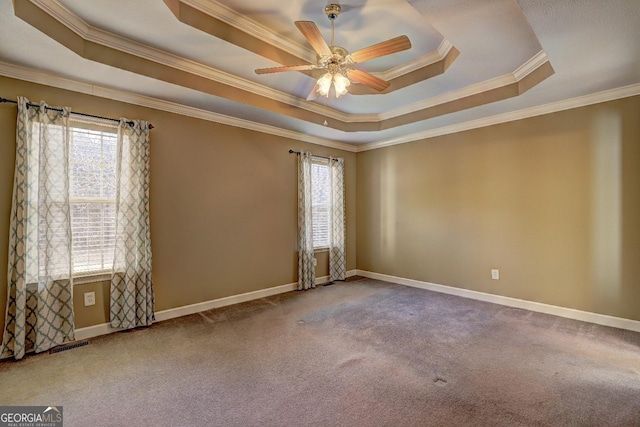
point(93, 276)
point(325, 163)
point(82, 279)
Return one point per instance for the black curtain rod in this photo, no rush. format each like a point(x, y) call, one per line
point(31, 104)
point(297, 153)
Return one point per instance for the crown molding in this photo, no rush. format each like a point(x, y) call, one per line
point(113, 41)
point(64, 16)
point(554, 107)
point(211, 8)
point(251, 27)
point(33, 76)
point(535, 62)
point(38, 77)
point(450, 96)
point(430, 58)
point(532, 64)
point(102, 37)
point(95, 35)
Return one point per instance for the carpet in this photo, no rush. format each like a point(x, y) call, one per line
point(359, 353)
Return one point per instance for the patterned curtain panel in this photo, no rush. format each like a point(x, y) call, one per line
point(131, 285)
point(306, 258)
point(337, 248)
point(39, 313)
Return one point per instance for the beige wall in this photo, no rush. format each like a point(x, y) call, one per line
point(223, 203)
point(553, 202)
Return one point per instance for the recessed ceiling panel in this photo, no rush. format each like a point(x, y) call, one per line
point(490, 57)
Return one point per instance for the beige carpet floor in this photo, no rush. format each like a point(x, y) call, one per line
point(360, 353)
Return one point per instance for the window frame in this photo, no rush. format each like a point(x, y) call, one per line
point(102, 126)
point(320, 161)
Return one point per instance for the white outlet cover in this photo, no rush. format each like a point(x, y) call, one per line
point(89, 298)
point(495, 274)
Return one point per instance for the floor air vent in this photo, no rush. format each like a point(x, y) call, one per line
point(68, 346)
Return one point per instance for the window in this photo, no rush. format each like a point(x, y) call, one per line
point(92, 186)
point(320, 202)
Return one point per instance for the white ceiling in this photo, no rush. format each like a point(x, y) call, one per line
point(592, 45)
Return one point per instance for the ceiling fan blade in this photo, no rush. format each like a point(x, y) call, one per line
point(285, 68)
point(368, 80)
point(313, 95)
point(311, 32)
point(388, 47)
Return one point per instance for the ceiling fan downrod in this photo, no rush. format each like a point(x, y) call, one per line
point(332, 11)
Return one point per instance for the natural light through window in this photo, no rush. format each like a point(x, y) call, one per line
point(320, 203)
point(92, 168)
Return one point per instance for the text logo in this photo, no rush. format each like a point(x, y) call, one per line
point(31, 416)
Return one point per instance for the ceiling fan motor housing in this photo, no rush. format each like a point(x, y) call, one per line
point(332, 11)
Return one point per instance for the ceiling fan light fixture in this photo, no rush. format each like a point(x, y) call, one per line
point(324, 84)
point(340, 84)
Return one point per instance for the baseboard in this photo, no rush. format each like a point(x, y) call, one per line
point(570, 313)
point(172, 313)
point(94, 331)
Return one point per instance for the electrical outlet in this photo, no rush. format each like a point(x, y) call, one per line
point(89, 298)
point(495, 274)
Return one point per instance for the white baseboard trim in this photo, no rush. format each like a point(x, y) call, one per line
point(172, 313)
point(570, 313)
point(186, 310)
point(94, 331)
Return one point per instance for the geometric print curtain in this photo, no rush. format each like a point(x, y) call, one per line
point(337, 249)
point(306, 258)
point(39, 312)
point(132, 298)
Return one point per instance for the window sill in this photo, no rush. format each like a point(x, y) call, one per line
point(319, 250)
point(91, 278)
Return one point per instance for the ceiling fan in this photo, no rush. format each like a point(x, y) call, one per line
point(338, 62)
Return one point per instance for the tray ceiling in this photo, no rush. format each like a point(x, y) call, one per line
point(469, 62)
